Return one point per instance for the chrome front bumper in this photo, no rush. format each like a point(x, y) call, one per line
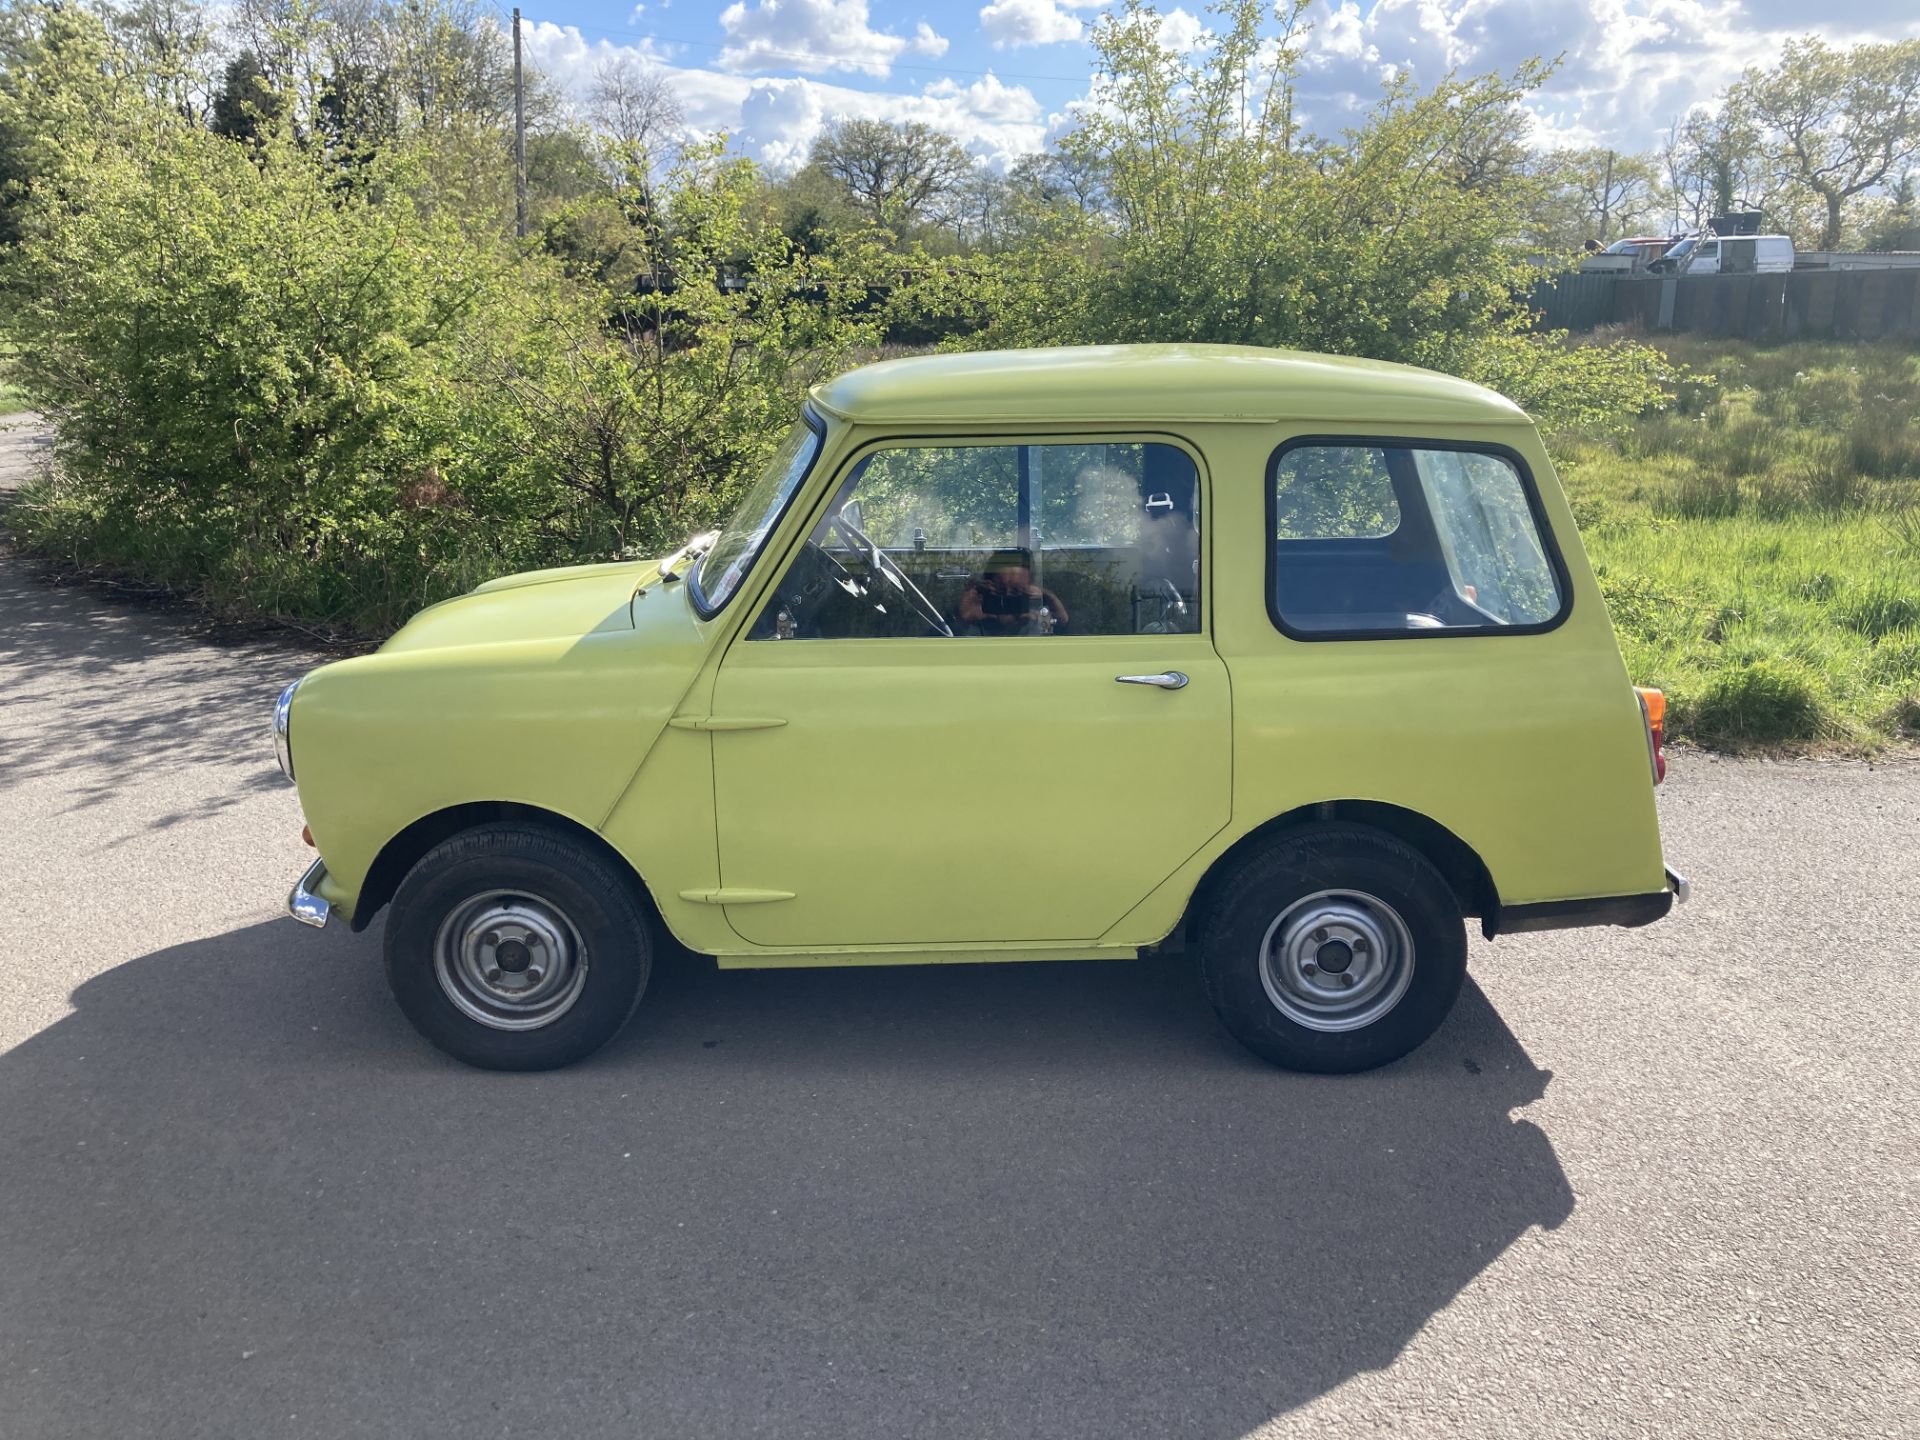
point(305, 903)
point(1677, 883)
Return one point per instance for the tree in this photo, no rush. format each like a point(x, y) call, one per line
point(1491, 151)
point(1896, 226)
point(171, 44)
point(356, 107)
point(635, 108)
point(1838, 123)
point(66, 94)
point(246, 104)
point(1224, 223)
point(1711, 164)
point(1055, 178)
point(1595, 194)
point(811, 208)
point(898, 174)
point(653, 421)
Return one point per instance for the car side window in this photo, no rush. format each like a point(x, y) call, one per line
point(1000, 541)
point(1371, 539)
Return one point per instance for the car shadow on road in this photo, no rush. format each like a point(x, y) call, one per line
point(1024, 1200)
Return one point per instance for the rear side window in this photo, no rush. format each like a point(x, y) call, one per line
point(1372, 539)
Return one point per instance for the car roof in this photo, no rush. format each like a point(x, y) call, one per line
point(1145, 384)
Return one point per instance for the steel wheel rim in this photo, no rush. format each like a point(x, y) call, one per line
point(1336, 960)
point(510, 960)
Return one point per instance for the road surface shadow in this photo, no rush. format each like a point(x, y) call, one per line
point(1028, 1200)
point(141, 690)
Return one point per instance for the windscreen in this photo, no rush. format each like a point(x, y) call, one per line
point(722, 568)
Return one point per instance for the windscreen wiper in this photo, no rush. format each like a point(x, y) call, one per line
point(695, 547)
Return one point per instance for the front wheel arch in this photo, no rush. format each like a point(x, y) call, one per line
point(400, 854)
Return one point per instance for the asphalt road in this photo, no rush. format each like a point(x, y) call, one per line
point(1642, 1183)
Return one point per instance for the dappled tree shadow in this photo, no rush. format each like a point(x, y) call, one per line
point(1026, 1200)
point(154, 691)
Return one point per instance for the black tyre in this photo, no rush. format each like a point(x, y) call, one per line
point(516, 948)
point(1333, 949)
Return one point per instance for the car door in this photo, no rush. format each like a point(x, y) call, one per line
point(980, 706)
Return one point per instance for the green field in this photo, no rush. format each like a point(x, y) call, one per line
point(1759, 544)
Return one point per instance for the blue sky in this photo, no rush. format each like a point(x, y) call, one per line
point(1004, 76)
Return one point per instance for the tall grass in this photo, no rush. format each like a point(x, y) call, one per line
point(1759, 543)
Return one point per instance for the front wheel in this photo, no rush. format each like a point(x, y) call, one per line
point(1333, 949)
point(516, 948)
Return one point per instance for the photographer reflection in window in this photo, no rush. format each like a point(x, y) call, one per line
point(1003, 600)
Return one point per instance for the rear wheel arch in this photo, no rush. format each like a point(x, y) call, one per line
point(1459, 864)
point(400, 854)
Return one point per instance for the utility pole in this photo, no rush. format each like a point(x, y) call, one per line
point(519, 135)
point(1606, 194)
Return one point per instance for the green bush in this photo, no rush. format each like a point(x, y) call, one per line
point(1765, 701)
point(251, 364)
point(304, 390)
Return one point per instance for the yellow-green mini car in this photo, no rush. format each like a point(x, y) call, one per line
point(1282, 661)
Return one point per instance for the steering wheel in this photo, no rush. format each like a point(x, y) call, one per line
point(829, 565)
point(884, 564)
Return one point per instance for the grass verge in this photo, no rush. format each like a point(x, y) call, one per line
point(1759, 544)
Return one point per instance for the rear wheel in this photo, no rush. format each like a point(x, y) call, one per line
point(1335, 948)
point(516, 948)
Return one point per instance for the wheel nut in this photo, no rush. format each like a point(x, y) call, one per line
point(1347, 980)
point(1309, 968)
point(492, 937)
point(534, 974)
point(1320, 935)
point(493, 977)
point(1359, 944)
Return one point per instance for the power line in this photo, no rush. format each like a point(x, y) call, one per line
point(805, 57)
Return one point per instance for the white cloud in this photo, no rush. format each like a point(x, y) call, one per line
point(1628, 67)
point(988, 97)
point(1012, 23)
point(816, 36)
point(1182, 30)
point(775, 118)
point(928, 41)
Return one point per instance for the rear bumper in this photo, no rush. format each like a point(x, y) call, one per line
point(1628, 910)
point(305, 903)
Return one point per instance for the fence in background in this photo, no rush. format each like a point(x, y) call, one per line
point(1831, 304)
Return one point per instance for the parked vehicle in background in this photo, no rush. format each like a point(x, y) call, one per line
point(1727, 255)
point(1626, 256)
point(1287, 661)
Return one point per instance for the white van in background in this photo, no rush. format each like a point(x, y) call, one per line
point(1728, 255)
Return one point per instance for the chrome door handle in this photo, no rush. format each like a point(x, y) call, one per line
point(1166, 680)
